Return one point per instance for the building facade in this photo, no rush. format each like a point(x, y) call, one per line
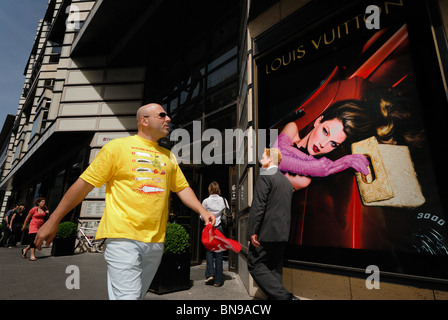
point(225, 67)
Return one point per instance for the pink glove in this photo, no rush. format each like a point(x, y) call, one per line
point(294, 160)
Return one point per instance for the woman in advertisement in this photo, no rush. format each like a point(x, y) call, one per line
point(341, 122)
point(344, 122)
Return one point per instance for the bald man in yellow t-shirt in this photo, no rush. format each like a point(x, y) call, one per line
point(139, 175)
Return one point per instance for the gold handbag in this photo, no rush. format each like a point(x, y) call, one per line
point(392, 180)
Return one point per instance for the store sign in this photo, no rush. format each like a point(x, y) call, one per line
point(388, 82)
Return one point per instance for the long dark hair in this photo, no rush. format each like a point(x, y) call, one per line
point(354, 117)
point(384, 117)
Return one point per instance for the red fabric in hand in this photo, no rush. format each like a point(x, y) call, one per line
point(215, 241)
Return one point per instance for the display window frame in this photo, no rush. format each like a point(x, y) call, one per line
point(296, 59)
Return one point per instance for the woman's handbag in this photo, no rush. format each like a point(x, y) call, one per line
point(392, 180)
point(227, 217)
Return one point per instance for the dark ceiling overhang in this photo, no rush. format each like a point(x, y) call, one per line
point(59, 148)
point(142, 30)
point(108, 23)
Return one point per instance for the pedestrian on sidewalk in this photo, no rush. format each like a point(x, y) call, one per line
point(139, 175)
point(37, 216)
point(214, 260)
point(268, 227)
point(17, 221)
point(6, 225)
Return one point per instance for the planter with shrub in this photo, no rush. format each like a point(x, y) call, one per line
point(174, 270)
point(64, 242)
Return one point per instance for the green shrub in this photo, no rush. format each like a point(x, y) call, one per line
point(67, 229)
point(177, 239)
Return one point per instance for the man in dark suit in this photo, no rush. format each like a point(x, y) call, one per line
point(268, 227)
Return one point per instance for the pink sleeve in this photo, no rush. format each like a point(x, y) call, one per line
point(296, 161)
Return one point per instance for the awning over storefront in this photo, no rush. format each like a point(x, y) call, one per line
point(146, 31)
point(45, 155)
point(110, 24)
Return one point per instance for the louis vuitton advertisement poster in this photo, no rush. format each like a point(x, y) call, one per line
point(354, 106)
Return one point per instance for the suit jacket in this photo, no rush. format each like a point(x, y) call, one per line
point(270, 213)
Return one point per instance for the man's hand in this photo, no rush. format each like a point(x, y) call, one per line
point(46, 233)
point(208, 217)
point(77, 192)
point(254, 240)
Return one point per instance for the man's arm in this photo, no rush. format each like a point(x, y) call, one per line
point(254, 240)
point(188, 198)
point(77, 192)
point(12, 220)
point(258, 208)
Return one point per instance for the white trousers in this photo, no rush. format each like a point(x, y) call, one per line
point(131, 266)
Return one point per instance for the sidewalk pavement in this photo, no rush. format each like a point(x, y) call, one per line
point(45, 279)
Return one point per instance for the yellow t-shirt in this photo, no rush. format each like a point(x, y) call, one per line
point(139, 175)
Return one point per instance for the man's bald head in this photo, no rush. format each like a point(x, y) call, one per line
point(146, 109)
point(152, 122)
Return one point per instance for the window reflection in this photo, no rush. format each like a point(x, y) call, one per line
point(222, 74)
point(204, 79)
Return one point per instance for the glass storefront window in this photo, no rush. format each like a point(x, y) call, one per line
point(223, 73)
point(226, 56)
point(36, 124)
point(57, 189)
point(221, 98)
